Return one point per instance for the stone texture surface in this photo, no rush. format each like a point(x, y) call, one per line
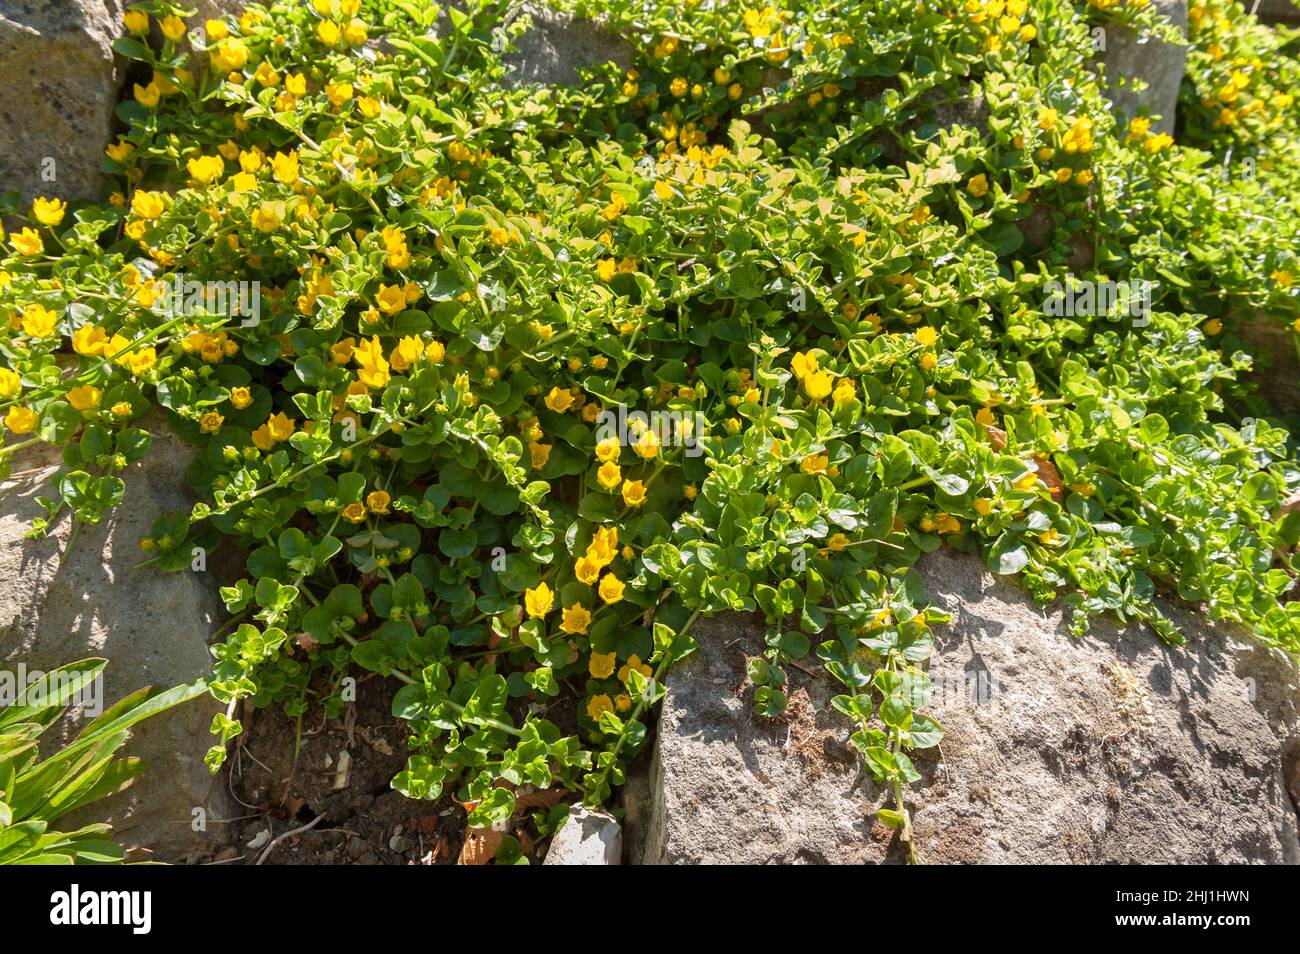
point(1274, 11)
point(586, 838)
point(60, 85)
point(557, 45)
point(1277, 366)
point(58, 605)
point(1159, 64)
point(1108, 749)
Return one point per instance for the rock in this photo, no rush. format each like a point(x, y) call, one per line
point(58, 605)
point(1160, 65)
point(1113, 748)
point(557, 45)
point(1274, 11)
point(56, 100)
point(586, 838)
point(1277, 366)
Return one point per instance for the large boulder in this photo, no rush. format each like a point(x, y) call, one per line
point(61, 83)
point(1277, 366)
point(1112, 748)
point(557, 45)
point(1132, 57)
point(1274, 11)
point(61, 602)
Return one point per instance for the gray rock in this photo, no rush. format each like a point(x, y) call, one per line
point(586, 838)
point(1277, 367)
point(1130, 57)
point(557, 45)
point(59, 605)
point(60, 85)
point(1274, 11)
point(1112, 748)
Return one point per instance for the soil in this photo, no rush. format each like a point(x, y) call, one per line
point(338, 782)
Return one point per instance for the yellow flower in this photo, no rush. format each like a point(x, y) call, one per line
point(391, 299)
point(377, 501)
point(119, 151)
point(38, 321)
point(607, 449)
point(20, 420)
point(407, 352)
point(609, 475)
point(139, 361)
point(539, 454)
point(27, 242)
point(11, 382)
point(559, 400)
point(818, 384)
point(575, 620)
point(267, 216)
point(663, 191)
point(978, 185)
point(295, 84)
point(49, 211)
point(1283, 279)
point(601, 665)
point(586, 570)
point(1137, 128)
point(147, 96)
point(230, 54)
point(136, 21)
point(611, 588)
point(241, 397)
point(435, 351)
point(147, 205)
point(633, 664)
point(285, 167)
point(354, 512)
point(355, 33)
point(215, 30)
point(539, 600)
point(837, 542)
point(606, 269)
point(329, 32)
point(173, 27)
point(243, 182)
point(206, 168)
point(210, 422)
point(599, 705)
point(647, 445)
point(1063, 174)
point(633, 493)
point(1212, 327)
point(814, 464)
point(983, 506)
point(338, 93)
point(85, 397)
point(926, 336)
point(1157, 143)
point(603, 547)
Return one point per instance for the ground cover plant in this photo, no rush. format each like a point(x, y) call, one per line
point(535, 377)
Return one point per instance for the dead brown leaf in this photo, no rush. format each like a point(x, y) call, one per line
point(480, 846)
point(1049, 475)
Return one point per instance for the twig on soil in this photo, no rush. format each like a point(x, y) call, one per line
point(292, 831)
